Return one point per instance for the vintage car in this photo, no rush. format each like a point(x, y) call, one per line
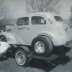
point(37, 35)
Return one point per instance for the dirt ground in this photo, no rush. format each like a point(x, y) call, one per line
point(59, 65)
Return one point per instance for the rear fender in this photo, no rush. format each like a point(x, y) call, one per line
point(55, 38)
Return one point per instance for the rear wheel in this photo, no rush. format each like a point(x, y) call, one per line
point(42, 45)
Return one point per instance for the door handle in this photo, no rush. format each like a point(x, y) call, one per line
point(24, 28)
point(28, 28)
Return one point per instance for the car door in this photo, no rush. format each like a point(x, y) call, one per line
point(23, 29)
point(38, 24)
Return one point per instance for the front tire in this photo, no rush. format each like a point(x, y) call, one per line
point(21, 57)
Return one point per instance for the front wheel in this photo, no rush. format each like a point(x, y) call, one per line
point(21, 57)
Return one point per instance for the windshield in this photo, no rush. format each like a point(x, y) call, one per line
point(58, 18)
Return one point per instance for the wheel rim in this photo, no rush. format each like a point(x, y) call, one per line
point(39, 47)
point(20, 58)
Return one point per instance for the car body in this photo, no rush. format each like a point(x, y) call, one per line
point(37, 35)
point(49, 24)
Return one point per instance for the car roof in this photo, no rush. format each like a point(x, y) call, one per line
point(49, 14)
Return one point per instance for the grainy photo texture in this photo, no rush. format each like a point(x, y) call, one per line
point(35, 35)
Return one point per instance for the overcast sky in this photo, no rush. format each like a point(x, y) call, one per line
point(17, 7)
point(65, 8)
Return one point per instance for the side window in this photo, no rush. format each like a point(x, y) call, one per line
point(38, 20)
point(23, 21)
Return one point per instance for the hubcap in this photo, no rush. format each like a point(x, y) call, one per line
point(39, 47)
point(20, 58)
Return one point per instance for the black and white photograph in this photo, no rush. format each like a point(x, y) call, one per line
point(35, 35)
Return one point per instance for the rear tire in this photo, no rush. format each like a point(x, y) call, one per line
point(42, 45)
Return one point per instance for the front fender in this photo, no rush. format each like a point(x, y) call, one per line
point(12, 38)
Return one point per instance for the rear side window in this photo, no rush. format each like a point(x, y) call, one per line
point(23, 21)
point(38, 20)
point(58, 18)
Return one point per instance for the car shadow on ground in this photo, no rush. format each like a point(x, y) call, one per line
point(39, 64)
point(3, 58)
point(43, 65)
